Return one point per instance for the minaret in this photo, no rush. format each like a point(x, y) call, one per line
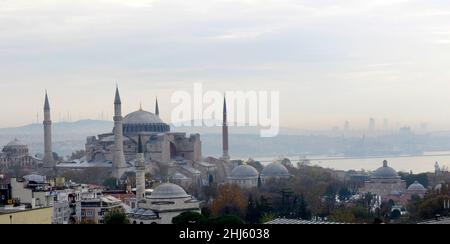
point(140, 172)
point(48, 152)
point(157, 107)
point(119, 165)
point(225, 155)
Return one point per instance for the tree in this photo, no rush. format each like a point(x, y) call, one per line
point(267, 217)
point(110, 183)
point(227, 220)
point(189, 218)
point(230, 200)
point(344, 194)
point(395, 214)
point(342, 215)
point(116, 217)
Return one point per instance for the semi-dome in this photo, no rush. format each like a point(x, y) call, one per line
point(168, 191)
point(244, 171)
point(275, 169)
point(143, 121)
point(416, 186)
point(385, 172)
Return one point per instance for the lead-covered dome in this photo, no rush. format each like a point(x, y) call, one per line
point(275, 169)
point(168, 191)
point(416, 186)
point(15, 143)
point(244, 171)
point(143, 121)
point(385, 172)
point(142, 117)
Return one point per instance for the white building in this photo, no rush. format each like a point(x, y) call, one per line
point(94, 209)
point(166, 202)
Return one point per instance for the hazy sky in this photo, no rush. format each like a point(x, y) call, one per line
point(331, 60)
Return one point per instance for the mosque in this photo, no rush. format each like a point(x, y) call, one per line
point(166, 155)
point(16, 153)
point(384, 182)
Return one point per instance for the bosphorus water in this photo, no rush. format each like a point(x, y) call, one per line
point(416, 164)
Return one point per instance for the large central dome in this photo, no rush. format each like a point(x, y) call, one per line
point(142, 117)
point(143, 121)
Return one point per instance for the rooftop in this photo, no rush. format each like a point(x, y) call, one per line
point(281, 221)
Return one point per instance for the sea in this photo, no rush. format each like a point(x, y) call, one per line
point(406, 163)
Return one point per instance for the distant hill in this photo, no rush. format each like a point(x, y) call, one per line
point(244, 141)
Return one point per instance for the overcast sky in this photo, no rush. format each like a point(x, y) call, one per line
point(331, 60)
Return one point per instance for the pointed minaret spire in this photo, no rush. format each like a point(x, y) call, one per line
point(225, 155)
point(46, 104)
point(224, 105)
point(48, 152)
point(117, 98)
point(157, 107)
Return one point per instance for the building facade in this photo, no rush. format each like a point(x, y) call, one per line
point(16, 154)
point(384, 182)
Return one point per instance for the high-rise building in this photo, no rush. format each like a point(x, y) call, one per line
point(371, 124)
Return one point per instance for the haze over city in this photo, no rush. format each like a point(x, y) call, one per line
point(332, 61)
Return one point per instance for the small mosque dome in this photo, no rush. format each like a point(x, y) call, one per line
point(385, 172)
point(275, 169)
point(416, 186)
point(168, 191)
point(244, 171)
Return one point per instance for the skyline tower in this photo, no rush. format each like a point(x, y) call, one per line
point(140, 172)
point(48, 159)
point(225, 153)
point(119, 164)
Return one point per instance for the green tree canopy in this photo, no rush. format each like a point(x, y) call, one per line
point(116, 217)
point(189, 218)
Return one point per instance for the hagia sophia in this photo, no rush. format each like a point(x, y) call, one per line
point(168, 156)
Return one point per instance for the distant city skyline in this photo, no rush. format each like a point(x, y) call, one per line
point(332, 61)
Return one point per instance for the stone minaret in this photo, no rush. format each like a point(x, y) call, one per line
point(225, 155)
point(119, 164)
point(140, 172)
point(48, 152)
point(157, 108)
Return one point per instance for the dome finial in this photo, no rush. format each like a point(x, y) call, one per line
point(385, 163)
point(140, 106)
